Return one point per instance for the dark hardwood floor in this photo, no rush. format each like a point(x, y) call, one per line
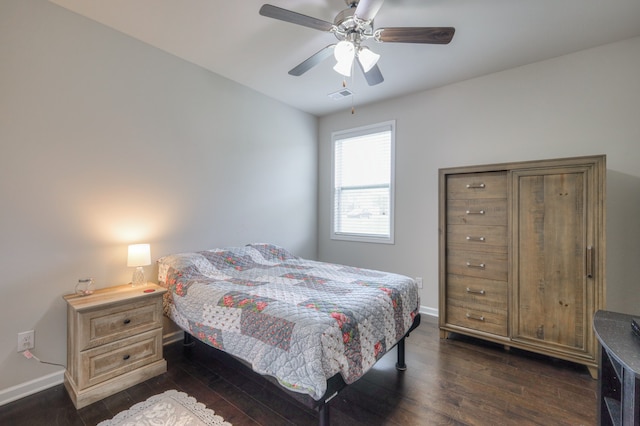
point(459, 381)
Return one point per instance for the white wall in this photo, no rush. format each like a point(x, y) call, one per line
point(585, 103)
point(105, 141)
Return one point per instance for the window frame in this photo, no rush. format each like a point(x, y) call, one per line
point(355, 132)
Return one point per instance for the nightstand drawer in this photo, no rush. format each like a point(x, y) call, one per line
point(114, 359)
point(107, 325)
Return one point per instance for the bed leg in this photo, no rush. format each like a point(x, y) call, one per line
point(400, 365)
point(188, 340)
point(323, 411)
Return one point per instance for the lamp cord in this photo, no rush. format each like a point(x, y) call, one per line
point(27, 354)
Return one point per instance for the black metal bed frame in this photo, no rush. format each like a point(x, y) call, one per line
point(334, 384)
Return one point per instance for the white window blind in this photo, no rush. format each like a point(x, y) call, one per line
point(363, 175)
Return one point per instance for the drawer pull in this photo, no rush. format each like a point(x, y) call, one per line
point(477, 266)
point(476, 186)
point(475, 291)
point(475, 211)
point(126, 357)
point(478, 239)
point(475, 317)
point(127, 321)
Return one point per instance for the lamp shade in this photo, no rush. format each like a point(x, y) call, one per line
point(367, 58)
point(139, 255)
point(344, 53)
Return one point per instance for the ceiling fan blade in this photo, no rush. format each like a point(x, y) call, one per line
point(276, 12)
point(312, 61)
point(367, 9)
point(430, 35)
point(373, 76)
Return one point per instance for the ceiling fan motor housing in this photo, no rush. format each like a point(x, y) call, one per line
point(349, 27)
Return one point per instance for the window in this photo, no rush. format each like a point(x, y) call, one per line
point(362, 181)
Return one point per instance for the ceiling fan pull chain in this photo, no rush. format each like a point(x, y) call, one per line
point(353, 95)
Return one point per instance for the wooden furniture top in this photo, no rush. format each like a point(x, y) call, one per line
point(105, 296)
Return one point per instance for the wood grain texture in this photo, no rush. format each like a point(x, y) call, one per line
point(114, 341)
point(458, 381)
point(539, 227)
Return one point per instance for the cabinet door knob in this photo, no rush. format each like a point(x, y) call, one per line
point(126, 357)
point(127, 321)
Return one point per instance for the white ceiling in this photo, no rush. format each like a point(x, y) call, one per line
point(230, 38)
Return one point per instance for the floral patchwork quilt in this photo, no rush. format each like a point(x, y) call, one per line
point(298, 320)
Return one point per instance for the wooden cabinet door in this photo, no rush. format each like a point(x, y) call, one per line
point(552, 247)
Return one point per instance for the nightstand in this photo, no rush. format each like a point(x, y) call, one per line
point(114, 341)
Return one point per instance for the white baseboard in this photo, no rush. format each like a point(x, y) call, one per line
point(172, 337)
point(29, 388)
point(50, 380)
point(429, 311)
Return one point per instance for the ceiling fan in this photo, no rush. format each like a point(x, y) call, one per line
point(351, 27)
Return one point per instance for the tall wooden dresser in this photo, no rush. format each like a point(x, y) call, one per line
point(522, 254)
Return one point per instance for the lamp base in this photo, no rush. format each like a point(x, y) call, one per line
point(138, 277)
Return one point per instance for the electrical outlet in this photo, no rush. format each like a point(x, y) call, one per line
point(26, 340)
point(419, 282)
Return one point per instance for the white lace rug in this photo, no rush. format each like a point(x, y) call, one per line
point(171, 408)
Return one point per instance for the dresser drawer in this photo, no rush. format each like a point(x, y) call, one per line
point(477, 185)
point(479, 292)
point(477, 264)
point(477, 237)
point(477, 317)
point(108, 324)
point(114, 359)
point(490, 211)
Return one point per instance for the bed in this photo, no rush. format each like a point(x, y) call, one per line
point(314, 327)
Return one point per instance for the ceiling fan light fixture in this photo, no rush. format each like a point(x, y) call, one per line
point(344, 52)
point(368, 58)
point(344, 68)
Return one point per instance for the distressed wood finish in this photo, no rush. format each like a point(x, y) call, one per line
point(458, 381)
point(537, 227)
point(476, 252)
point(114, 341)
point(552, 295)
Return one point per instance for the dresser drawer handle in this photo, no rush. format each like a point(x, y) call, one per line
point(475, 291)
point(475, 317)
point(478, 239)
point(127, 321)
point(476, 186)
point(478, 266)
point(475, 211)
point(126, 357)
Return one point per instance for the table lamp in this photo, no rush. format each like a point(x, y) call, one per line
point(139, 256)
